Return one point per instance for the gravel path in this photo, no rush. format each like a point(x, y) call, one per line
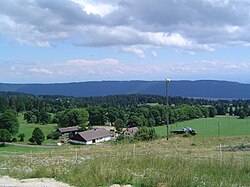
point(6, 181)
point(37, 146)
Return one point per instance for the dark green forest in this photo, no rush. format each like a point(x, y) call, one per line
point(133, 110)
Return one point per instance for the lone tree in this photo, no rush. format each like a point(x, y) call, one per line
point(5, 136)
point(119, 124)
point(37, 136)
point(8, 121)
point(242, 114)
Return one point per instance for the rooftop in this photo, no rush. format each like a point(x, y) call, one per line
point(94, 134)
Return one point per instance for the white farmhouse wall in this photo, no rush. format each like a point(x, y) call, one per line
point(104, 139)
point(99, 140)
point(89, 142)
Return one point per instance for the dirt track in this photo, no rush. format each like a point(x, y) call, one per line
point(6, 181)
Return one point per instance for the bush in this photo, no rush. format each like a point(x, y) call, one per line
point(54, 135)
point(14, 140)
point(146, 133)
point(21, 137)
point(50, 136)
point(125, 139)
point(31, 140)
point(5, 136)
point(2, 144)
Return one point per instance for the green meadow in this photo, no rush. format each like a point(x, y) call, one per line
point(212, 127)
point(27, 129)
point(179, 161)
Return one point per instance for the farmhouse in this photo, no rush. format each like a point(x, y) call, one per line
point(130, 132)
point(93, 136)
point(67, 130)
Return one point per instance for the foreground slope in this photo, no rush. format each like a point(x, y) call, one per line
point(179, 161)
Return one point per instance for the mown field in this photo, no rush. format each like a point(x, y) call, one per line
point(212, 127)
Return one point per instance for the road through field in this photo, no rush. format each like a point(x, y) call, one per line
point(34, 146)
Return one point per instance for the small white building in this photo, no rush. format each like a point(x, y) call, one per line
point(93, 136)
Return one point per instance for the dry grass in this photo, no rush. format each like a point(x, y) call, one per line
point(179, 161)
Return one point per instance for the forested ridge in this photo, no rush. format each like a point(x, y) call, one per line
point(196, 89)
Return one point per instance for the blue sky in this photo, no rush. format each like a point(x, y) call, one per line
point(44, 41)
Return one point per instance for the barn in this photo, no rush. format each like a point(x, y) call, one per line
point(67, 130)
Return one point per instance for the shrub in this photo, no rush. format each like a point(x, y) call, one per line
point(146, 133)
point(125, 139)
point(53, 135)
point(5, 136)
point(21, 137)
point(31, 140)
point(2, 144)
point(14, 140)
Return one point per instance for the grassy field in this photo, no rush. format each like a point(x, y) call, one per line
point(180, 161)
point(27, 129)
point(212, 127)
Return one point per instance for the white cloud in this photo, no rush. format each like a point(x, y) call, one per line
point(113, 69)
point(42, 71)
point(95, 8)
point(190, 25)
point(134, 50)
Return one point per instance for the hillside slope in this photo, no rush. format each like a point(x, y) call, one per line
point(202, 88)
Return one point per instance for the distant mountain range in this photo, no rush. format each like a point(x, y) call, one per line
point(196, 89)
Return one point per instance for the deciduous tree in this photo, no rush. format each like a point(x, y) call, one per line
point(4, 135)
point(8, 121)
point(73, 117)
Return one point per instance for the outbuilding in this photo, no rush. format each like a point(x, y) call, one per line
point(130, 132)
point(67, 130)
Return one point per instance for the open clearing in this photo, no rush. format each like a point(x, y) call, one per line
point(27, 129)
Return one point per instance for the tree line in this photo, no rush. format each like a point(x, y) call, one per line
point(53, 104)
point(119, 110)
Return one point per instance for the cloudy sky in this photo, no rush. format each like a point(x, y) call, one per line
point(47, 41)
